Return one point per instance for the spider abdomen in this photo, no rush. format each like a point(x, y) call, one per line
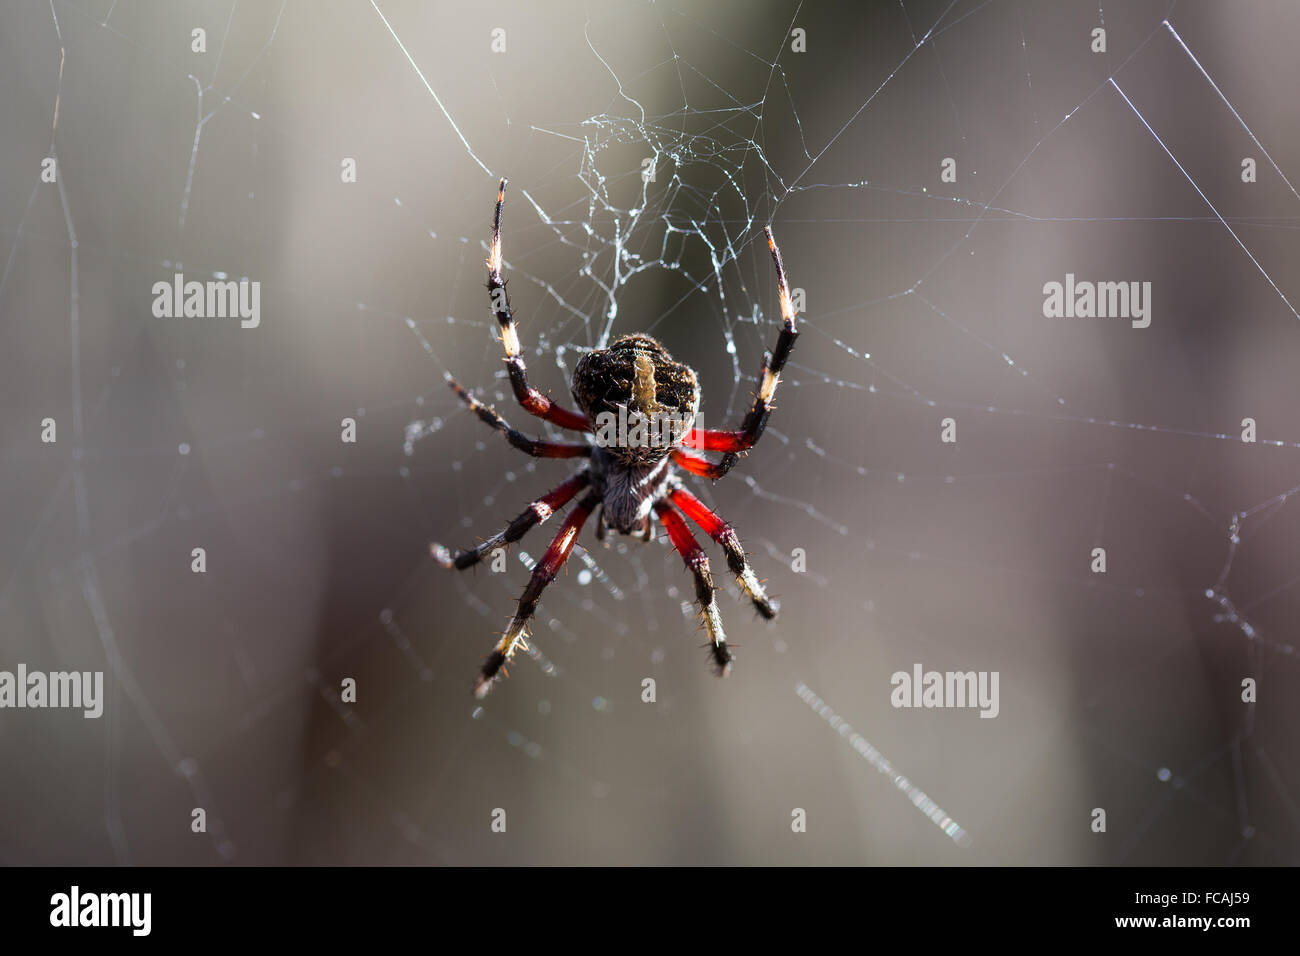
point(640, 402)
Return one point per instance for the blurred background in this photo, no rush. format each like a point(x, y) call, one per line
point(887, 547)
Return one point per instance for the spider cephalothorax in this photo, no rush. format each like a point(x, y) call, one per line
point(640, 407)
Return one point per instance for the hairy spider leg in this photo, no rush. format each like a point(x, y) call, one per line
point(697, 562)
point(751, 429)
point(535, 447)
point(543, 574)
point(723, 533)
point(530, 398)
point(699, 465)
point(536, 513)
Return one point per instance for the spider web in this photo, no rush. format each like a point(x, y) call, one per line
point(647, 145)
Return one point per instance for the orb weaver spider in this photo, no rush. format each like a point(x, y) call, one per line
point(625, 481)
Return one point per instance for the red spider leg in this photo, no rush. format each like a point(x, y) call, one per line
point(530, 398)
point(697, 562)
point(535, 447)
point(543, 574)
point(723, 533)
point(751, 429)
point(702, 466)
point(536, 513)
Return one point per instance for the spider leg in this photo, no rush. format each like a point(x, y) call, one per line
point(530, 398)
point(535, 514)
point(723, 533)
point(543, 574)
point(698, 465)
point(751, 429)
point(535, 447)
point(697, 562)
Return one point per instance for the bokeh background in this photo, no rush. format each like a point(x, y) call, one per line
point(1119, 691)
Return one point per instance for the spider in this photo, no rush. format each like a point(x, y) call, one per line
point(626, 480)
